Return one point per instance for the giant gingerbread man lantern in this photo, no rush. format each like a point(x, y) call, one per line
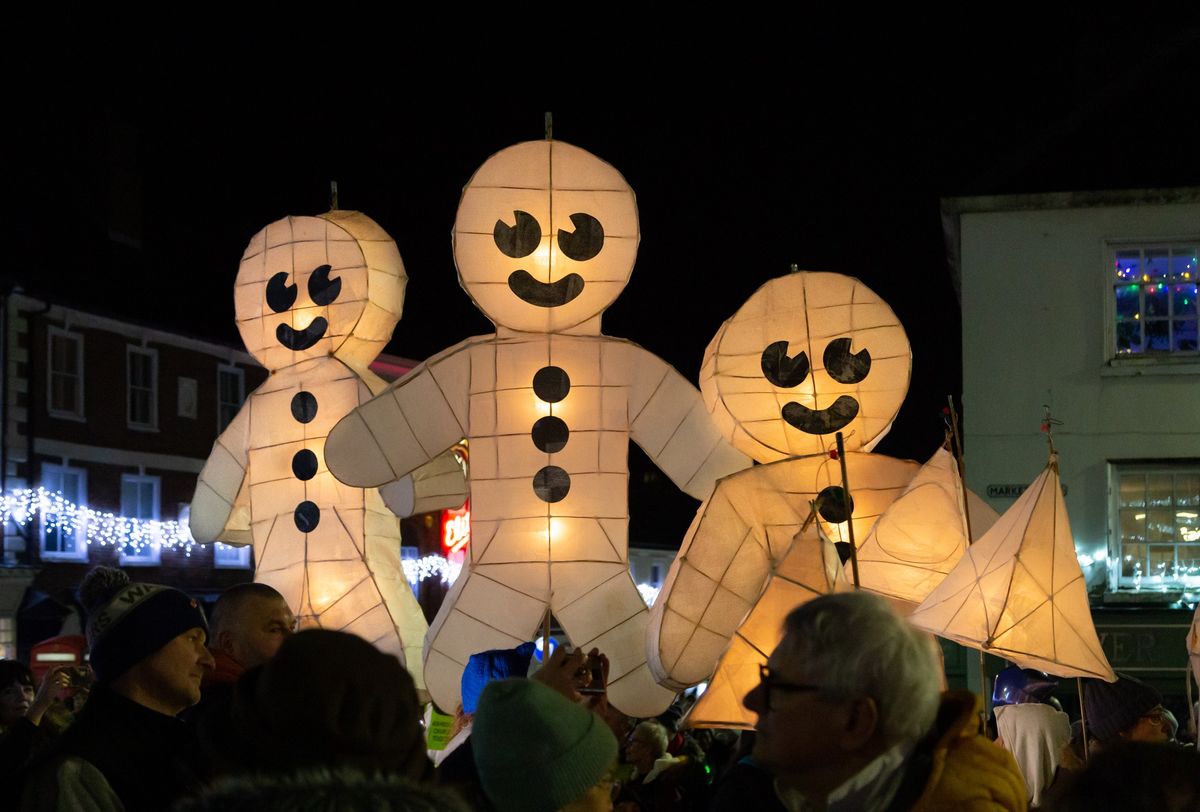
point(544, 241)
point(316, 300)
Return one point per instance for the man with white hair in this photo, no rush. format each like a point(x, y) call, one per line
point(850, 717)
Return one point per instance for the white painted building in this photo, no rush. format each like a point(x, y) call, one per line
point(1087, 303)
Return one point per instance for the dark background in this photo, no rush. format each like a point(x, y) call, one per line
point(138, 168)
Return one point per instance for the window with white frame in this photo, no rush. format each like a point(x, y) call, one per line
point(1156, 521)
point(1153, 301)
point(140, 500)
point(141, 374)
point(59, 541)
point(64, 374)
point(8, 638)
point(231, 392)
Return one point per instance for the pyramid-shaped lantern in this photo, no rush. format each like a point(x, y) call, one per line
point(921, 536)
point(811, 568)
point(1019, 593)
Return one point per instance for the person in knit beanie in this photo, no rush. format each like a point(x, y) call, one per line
point(1127, 709)
point(538, 751)
point(330, 699)
point(127, 750)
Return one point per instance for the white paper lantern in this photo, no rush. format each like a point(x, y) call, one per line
point(545, 239)
point(808, 355)
point(920, 537)
point(1019, 592)
point(316, 299)
point(740, 538)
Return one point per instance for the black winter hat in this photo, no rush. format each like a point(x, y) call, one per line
point(128, 622)
point(1113, 707)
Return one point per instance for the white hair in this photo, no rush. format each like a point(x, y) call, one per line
point(653, 735)
point(857, 646)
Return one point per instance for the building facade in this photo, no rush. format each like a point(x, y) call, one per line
point(1083, 306)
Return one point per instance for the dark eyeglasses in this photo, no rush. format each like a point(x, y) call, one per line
point(770, 684)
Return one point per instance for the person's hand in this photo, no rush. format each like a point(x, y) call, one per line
point(597, 696)
point(55, 680)
point(561, 672)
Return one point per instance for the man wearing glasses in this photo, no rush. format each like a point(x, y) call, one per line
point(850, 717)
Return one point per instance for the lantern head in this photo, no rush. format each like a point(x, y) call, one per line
point(545, 237)
point(808, 355)
point(318, 286)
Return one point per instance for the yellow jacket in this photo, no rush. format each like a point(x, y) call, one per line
point(966, 772)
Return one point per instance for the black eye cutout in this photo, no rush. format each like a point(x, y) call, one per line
point(520, 240)
point(321, 289)
point(280, 295)
point(585, 241)
point(782, 370)
point(844, 367)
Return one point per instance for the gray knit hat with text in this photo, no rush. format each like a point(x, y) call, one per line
point(535, 749)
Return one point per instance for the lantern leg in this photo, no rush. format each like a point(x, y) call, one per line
point(631, 686)
point(479, 614)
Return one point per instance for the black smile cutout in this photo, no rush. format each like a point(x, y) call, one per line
point(545, 294)
point(303, 339)
point(821, 421)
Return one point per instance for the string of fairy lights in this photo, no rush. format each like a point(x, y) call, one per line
point(60, 515)
point(106, 529)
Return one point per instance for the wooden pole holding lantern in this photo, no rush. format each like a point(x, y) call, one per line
point(841, 451)
point(957, 447)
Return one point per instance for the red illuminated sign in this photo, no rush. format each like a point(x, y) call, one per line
point(456, 529)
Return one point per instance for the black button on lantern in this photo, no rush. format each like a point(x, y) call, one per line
point(304, 406)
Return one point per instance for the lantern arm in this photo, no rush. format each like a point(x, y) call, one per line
point(220, 508)
point(723, 566)
point(416, 419)
point(669, 421)
point(440, 484)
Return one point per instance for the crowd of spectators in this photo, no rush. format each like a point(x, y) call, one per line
point(246, 713)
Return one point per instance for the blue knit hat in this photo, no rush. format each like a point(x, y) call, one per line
point(486, 666)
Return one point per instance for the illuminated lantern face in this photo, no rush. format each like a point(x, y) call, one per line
point(546, 236)
point(808, 355)
point(306, 288)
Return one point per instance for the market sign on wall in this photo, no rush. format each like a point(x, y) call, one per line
point(1010, 491)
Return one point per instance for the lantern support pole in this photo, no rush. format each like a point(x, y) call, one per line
point(546, 638)
point(841, 449)
point(957, 448)
point(333, 195)
point(549, 121)
point(1082, 720)
point(1191, 706)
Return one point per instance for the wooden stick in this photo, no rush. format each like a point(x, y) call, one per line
point(546, 638)
point(1082, 720)
point(983, 682)
point(841, 449)
point(962, 468)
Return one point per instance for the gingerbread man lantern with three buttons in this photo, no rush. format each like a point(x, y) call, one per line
point(544, 240)
point(316, 300)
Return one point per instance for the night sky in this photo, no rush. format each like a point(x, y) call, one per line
point(134, 188)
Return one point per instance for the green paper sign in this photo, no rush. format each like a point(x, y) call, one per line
point(437, 736)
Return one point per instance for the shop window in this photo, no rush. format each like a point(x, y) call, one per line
point(1156, 522)
point(227, 556)
point(60, 541)
point(141, 370)
point(64, 377)
point(1153, 308)
point(231, 392)
point(8, 638)
point(140, 500)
